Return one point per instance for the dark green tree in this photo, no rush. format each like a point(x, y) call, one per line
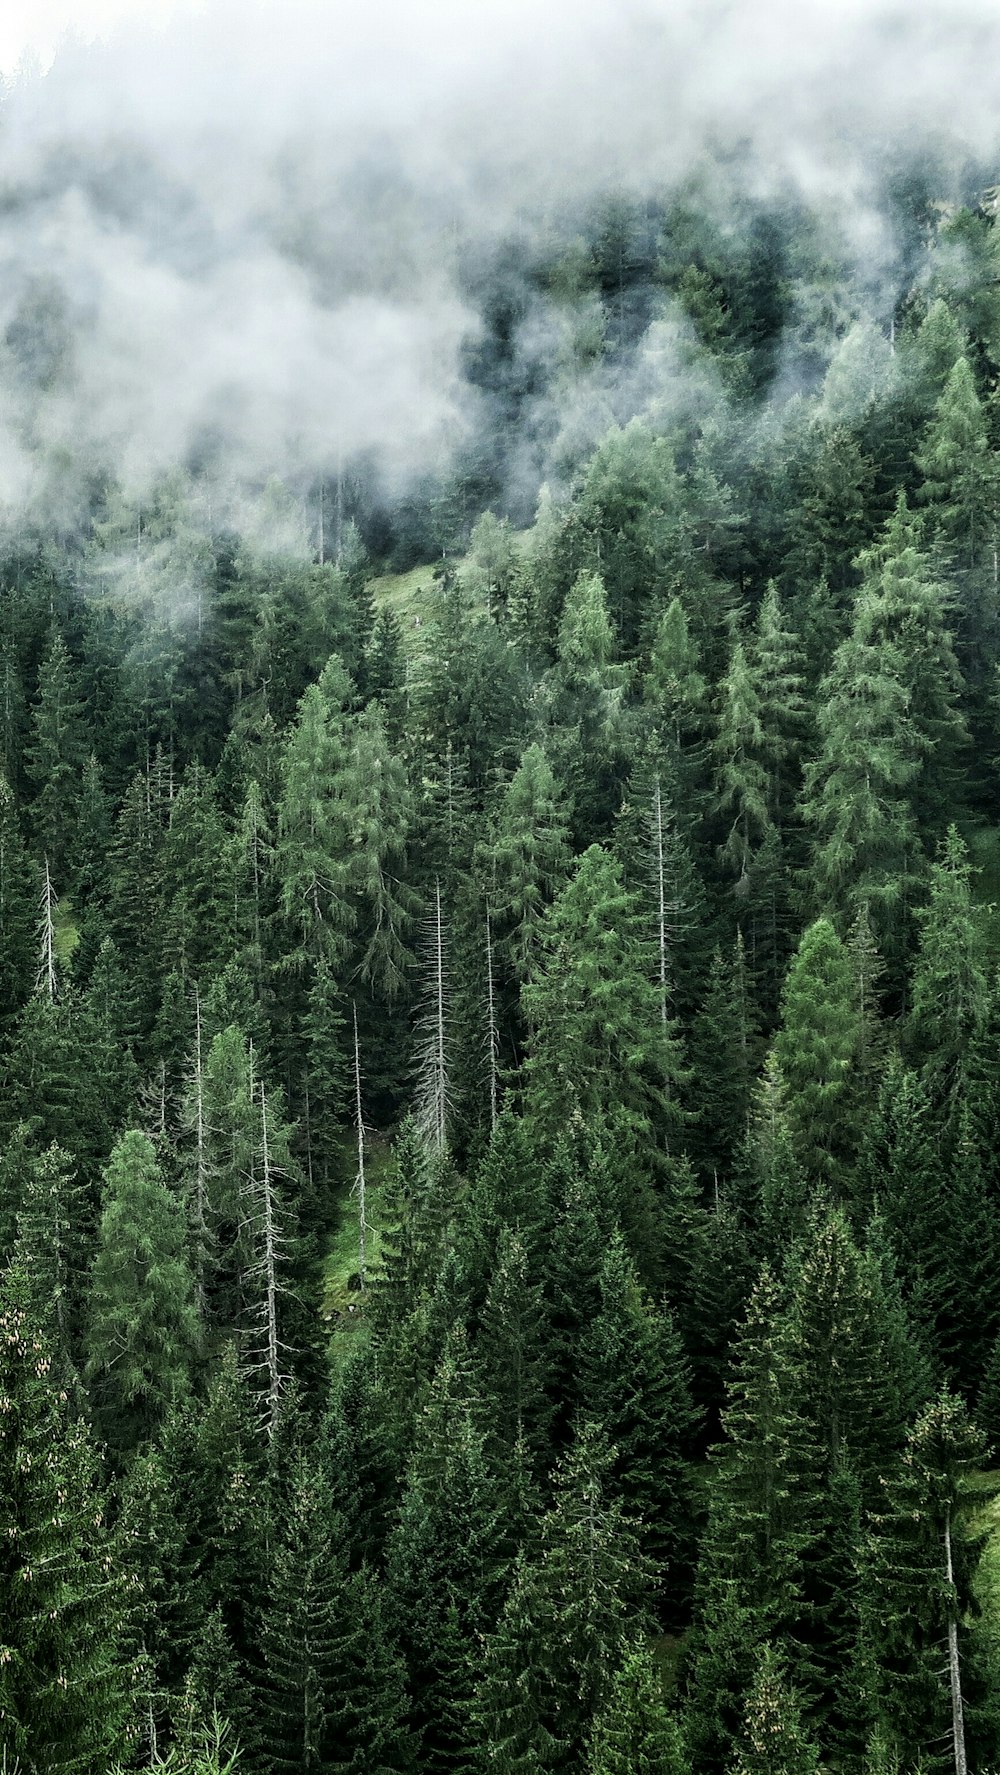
point(142, 1327)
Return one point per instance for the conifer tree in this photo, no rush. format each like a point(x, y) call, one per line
point(816, 1045)
point(300, 1629)
point(960, 483)
point(778, 664)
point(56, 753)
point(512, 1352)
point(64, 1701)
point(917, 1587)
point(766, 1520)
point(634, 1734)
point(18, 896)
point(598, 1047)
point(448, 1558)
point(529, 857)
point(54, 1238)
point(312, 859)
point(674, 685)
point(634, 1382)
point(742, 783)
point(856, 788)
point(378, 815)
point(773, 1740)
point(949, 1003)
point(142, 1325)
point(570, 1616)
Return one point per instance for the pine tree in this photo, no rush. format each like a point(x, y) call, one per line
point(634, 1381)
point(142, 1325)
point(598, 1047)
point(634, 1734)
point(774, 1741)
point(63, 1685)
point(570, 1616)
point(816, 1045)
point(56, 754)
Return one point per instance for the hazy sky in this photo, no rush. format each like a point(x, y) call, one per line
point(35, 27)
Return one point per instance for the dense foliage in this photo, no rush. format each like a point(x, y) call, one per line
point(499, 1082)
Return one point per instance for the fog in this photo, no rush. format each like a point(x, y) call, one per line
point(255, 239)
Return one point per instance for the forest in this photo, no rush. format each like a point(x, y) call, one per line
point(500, 1035)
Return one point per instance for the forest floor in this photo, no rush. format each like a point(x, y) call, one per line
point(987, 1520)
point(340, 1290)
point(409, 595)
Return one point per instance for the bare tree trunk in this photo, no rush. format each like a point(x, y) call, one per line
point(201, 1158)
point(270, 1274)
point(46, 981)
point(954, 1674)
point(359, 1185)
point(661, 897)
point(492, 1036)
point(440, 1081)
point(433, 1110)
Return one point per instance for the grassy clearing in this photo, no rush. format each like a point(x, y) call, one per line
point(988, 1575)
point(984, 855)
point(341, 1293)
point(66, 933)
point(413, 594)
point(408, 595)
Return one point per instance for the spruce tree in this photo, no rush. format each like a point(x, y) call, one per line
point(634, 1734)
point(919, 1567)
point(816, 1045)
point(55, 755)
point(300, 1628)
point(634, 1382)
point(142, 1325)
point(774, 1741)
point(570, 1616)
point(64, 1701)
point(949, 999)
point(598, 1047)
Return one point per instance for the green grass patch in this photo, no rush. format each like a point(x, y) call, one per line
point(984, 855)
point(408, 595)
point(66, 932)
point(413, 594)
point(342, 1297)
point(987, 1519)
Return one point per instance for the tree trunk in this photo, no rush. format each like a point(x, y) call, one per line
point(359, 1185)
point(954, 1674)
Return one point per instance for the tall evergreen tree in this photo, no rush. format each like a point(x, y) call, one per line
point(142, 1326)
point(64, 1701)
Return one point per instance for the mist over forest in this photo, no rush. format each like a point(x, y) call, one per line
point(499, 884)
